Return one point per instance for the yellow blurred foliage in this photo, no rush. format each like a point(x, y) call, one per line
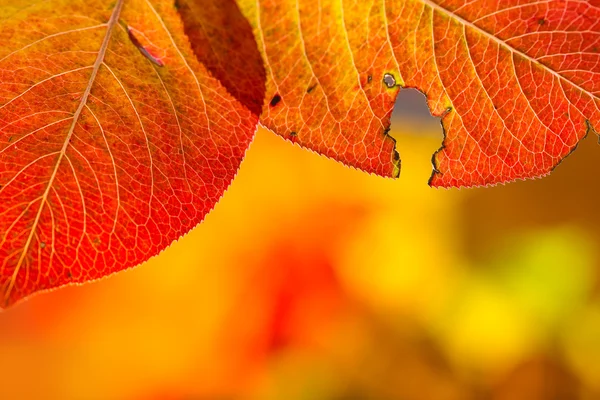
point(311, 280)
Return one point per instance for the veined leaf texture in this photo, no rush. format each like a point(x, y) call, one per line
point(517, 83)
point(106, 157)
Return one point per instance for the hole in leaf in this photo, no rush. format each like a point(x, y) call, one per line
point(412, 114)
point(416, 133)
point(389, 80)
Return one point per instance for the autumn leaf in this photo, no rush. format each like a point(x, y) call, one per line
point(517, 84)
point(114, 139)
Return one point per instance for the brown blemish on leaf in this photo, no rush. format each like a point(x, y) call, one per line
point(275, 100)
point(142, 49)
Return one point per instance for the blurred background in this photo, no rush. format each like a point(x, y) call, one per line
point(311, 280)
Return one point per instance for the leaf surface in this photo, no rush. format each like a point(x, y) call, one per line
point(114, 139)
point(517, 83)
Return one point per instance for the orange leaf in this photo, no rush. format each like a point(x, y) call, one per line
point(114, 139)
point(517, 84)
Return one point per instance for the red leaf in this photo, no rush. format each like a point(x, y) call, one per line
point(517, 84)
point(113, 144)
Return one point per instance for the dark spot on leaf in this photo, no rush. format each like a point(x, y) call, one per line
point(386, 131)
point(293, 134)
point(69, 274)
point(541, 21)
point(389, 80)
point(369, 78)
point(42, 245)
point(275, 100)
point(447, 111)
point(311, 88)
point(10, 139)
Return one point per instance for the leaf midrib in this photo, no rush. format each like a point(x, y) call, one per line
point(82, 103)
point(502, 43)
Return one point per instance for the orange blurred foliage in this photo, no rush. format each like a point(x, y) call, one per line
point(311, 280)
